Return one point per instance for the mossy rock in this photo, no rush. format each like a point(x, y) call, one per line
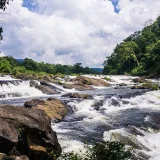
point(152, 86)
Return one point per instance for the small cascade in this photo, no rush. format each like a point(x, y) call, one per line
point(17, 88)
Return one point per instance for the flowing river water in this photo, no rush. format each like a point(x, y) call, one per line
point(131, 115)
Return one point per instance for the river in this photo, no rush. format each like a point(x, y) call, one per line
point(133, 115)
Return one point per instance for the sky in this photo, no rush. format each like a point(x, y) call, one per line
point(71, 31)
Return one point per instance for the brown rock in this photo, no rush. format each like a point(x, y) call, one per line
point(54, 108)
point(24, 123)
point(46, 89)
point(80, 87)
point(90, 81)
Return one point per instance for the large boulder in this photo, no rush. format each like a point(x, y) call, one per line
point(80, 87)
point(54, 108)
point(89, 81)
point(27, 132)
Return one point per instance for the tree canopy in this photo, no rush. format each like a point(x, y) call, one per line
point(138, 54)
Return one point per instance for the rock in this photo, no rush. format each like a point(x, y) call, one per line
point(54, 108)
point(33, 83)
point(44, 83)
point(33, 103)
point(77, 95)
point(8, 136)
point(98, 104)
point(19, 124)
point(80, 87)
point(127, 138)
point(122, 84)
point(46, 89)
point(90, 81)
point(139, 87)
point(5, 157)
point(139, 80)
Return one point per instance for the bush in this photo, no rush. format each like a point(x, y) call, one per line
point(101, 151)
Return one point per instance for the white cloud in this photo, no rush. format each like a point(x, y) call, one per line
point(70, 31)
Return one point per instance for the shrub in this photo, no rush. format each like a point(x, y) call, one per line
point(101, 151)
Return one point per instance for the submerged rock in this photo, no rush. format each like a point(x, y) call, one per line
point(27, 132)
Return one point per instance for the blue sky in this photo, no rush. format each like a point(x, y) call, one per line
point(71, 31)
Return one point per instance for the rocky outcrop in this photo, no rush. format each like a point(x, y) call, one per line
point(89, 81)
point(27, 131)
point(139, 80)
point(77, 95)
point(80, 87)
point(54, 108)
point(44, 86)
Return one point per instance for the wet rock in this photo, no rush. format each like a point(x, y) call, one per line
point(19, 124)
point(135, 131)
point(54, 108)
point(33, 83)
point(140, 80)
point(77, 95)
point(33, 103)
point(115, 102)
point(139, 155)
point(139, 87)
point(80, 87)
point(127, 138)
point(89, 81)
point(46, 89)
point(98, 104)
point(122, 84)
point(45, 83)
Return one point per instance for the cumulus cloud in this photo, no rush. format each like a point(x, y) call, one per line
point(77, 31)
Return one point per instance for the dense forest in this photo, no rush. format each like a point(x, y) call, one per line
point(139, 54)
point(9, 65)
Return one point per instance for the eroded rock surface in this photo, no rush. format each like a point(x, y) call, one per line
point(27, 131)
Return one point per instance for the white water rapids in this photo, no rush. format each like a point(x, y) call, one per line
point(111, 111)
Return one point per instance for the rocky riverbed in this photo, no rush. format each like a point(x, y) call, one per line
point(77, 110)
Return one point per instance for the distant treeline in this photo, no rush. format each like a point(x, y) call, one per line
point(139, 54)
point(9, 65)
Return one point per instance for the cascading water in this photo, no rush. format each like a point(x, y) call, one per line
point(122, 111)
point(22, 89)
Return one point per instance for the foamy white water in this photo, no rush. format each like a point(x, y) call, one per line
point(19, 89)
point(85, 123)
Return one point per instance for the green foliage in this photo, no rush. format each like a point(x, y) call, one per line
point(107, 78)
point(101, 151)
point(39, 70)
point(5, 66)
point(139, 54)
point(152, 86)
